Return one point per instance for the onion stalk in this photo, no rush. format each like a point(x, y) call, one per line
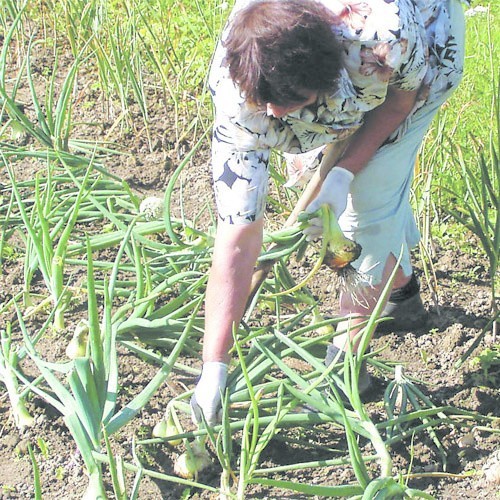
point(317, 317)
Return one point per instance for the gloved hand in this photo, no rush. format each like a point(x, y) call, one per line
point(206, 399)
point(333, 192)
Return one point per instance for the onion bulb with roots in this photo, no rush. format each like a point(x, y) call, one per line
point(340, 251)
point(337, 251)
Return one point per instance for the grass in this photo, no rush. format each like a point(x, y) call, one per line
point(81, 236)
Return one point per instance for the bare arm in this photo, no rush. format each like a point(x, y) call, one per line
point(237, 248)
point(379, 124)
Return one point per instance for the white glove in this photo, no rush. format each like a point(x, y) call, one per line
point(206, 399)
point(333, 192)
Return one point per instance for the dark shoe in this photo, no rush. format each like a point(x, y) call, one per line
point(405, 308)
point(335, 355)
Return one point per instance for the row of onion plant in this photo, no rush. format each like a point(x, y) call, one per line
point(147, 297)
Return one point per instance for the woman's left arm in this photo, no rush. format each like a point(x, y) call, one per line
point(378, 125)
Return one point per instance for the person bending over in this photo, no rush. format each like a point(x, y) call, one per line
point(295, 76)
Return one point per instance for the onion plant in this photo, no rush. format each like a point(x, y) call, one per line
point(87, 399)
point(266, 395)
point(82, 21)
point(9, 359)
point(479, 210)
point(53, 125)
point(402, 393)
point(49, 256)
point(53, 119)
point(152, 290)
point(10, 8)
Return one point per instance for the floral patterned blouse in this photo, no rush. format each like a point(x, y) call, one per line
point(404, 43)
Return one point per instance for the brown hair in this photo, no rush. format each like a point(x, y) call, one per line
point(276, 48)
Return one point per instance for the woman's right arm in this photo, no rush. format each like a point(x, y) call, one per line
point(236, 250)
point(235, 254)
